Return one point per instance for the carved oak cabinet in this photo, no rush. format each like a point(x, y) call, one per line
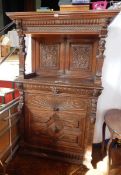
point(60, 94)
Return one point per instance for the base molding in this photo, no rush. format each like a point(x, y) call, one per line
point(48, 153)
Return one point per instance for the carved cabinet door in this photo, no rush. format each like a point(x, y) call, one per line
point(80, 58)
point(57, 121)
point(49, 56)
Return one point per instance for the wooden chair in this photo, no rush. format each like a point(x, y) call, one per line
point(112, 119)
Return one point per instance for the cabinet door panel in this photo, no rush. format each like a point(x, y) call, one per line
point(50, 57)
point(49, 128)
point(80, 58)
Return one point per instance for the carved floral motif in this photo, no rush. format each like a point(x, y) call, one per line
point(53, 102)
point(49, 55)
point(80, 57)
point(61, 89)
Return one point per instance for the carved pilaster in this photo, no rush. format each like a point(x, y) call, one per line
point(100, 59)
point(22, 53)
point(96, 94)
point(20, 109)
point(100, 53)
point(20, 88)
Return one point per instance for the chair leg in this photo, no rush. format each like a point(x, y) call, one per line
point(103, 137)
point(109, 146)
point(3, 168)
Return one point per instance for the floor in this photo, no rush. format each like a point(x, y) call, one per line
point(31, 165)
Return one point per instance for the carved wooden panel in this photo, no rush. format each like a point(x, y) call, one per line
point(63, 128)
point(60, 102)
point(80, 57)
point(66, 57)
point(50, 57)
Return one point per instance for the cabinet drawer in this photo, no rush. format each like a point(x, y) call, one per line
point(57, 102)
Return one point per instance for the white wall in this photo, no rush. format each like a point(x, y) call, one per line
point(111, 76)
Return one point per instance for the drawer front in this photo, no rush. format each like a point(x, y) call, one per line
point(63, 128)
point(56, 102)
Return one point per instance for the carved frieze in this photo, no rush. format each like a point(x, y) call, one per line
point(84, 91)
point(54, 21)
point(61, 29)
point(65, 25)
point(60, 103)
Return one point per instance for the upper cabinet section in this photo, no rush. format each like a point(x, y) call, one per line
point(86, 22)
point(65, 56)
point(64, 44)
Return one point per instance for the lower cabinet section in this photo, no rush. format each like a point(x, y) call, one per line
point(58, 125)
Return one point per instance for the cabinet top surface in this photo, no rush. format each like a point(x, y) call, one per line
point(76, 82)
point(60, 14)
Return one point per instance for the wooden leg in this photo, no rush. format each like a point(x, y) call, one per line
point(103, 137)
